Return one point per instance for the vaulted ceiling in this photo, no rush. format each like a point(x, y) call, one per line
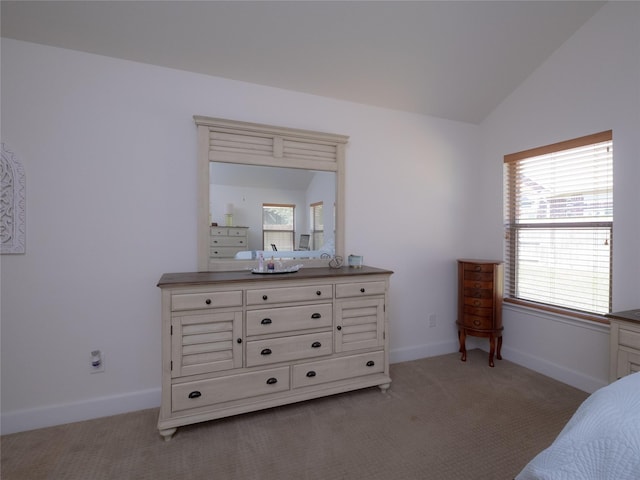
point(451, 59)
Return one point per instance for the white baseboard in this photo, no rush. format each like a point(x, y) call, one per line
point(30, 419)
point(422, 351)
point(557, 372)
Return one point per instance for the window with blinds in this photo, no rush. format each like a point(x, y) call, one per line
point(559, 225)
point(317, 225)
point(278, 226)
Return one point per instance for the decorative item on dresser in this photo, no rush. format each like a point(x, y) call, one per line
point(624, 343)
point(233, 342)
point(480, 287)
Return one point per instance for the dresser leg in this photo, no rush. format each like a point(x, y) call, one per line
point(384, 387)
point(498, 355)
point(462, 336)
point(492, 348)
point(167, 433)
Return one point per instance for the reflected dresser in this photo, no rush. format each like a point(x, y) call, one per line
point(235, 342)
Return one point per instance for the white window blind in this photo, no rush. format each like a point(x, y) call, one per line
point(317, 227)
point(559, 224)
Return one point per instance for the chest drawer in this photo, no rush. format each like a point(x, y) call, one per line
point(478, 268)
point(267, 296)
point(360, 289)
point(479, 302)
point(278, 320)
point(196, 301)
point(478, 311)
point(284, 349)
point(334, 369)
point(477, 293)
point(478, 323)
point(225, 389)
point(477, 284)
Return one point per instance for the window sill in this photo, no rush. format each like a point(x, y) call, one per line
point(599, 319)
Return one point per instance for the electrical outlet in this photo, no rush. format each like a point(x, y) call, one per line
point(432, 320)
point(97, 362)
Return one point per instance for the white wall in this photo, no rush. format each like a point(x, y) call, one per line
point(109, 151)
point(591, 84)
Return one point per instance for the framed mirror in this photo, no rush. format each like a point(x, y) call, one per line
point(274, 190)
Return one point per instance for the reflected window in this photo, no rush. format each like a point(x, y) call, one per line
point(317, 225)
point(278, 226)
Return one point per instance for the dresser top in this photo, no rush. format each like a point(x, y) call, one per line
point(628, 315)
point(196, 278)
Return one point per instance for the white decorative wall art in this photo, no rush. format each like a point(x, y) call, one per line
point(12, 203)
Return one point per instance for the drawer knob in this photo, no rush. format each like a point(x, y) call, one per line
point(477, 268)
point(318, 292)
point(215, 241)
point(266, 351)
point(316, 345)
point(362, 289)
point(239, 340)
point(272, 380)
point(476, 303)
point(266, 321)
point(370, 363)
point(264, 297)
point(339, 327)
point(215, 252)
point(195, 394)
point(208, 301)
point(477, 323)
point(311, 374)
point(316, 315)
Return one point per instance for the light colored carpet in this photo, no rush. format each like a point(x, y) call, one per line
point(441, 419)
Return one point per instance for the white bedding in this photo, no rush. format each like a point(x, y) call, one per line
point(600, 442)
point(295, 254)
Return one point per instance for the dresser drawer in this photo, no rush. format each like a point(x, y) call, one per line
point(479, 267)
point(478, 276)
point(225, 389)
point(196, 301)
point(284, 349)
point(629, 338)
point(228, 242)
point(267, 296)
point(224, 252)
point(219, 231)
point(479, 302)
point(477, 284)
point(278, 320)
point(478, 311)
point(335, 369)
point(477, 293)
point(360, 289)
point(478, 323)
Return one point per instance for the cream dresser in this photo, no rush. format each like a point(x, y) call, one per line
point(225, 242)
point(235, 342)
point(624, 344)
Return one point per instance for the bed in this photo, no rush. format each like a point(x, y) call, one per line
point(601, 441)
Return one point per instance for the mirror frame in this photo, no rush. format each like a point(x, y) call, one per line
point(231, 141)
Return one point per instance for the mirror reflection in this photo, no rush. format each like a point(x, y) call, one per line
point(288, 213)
